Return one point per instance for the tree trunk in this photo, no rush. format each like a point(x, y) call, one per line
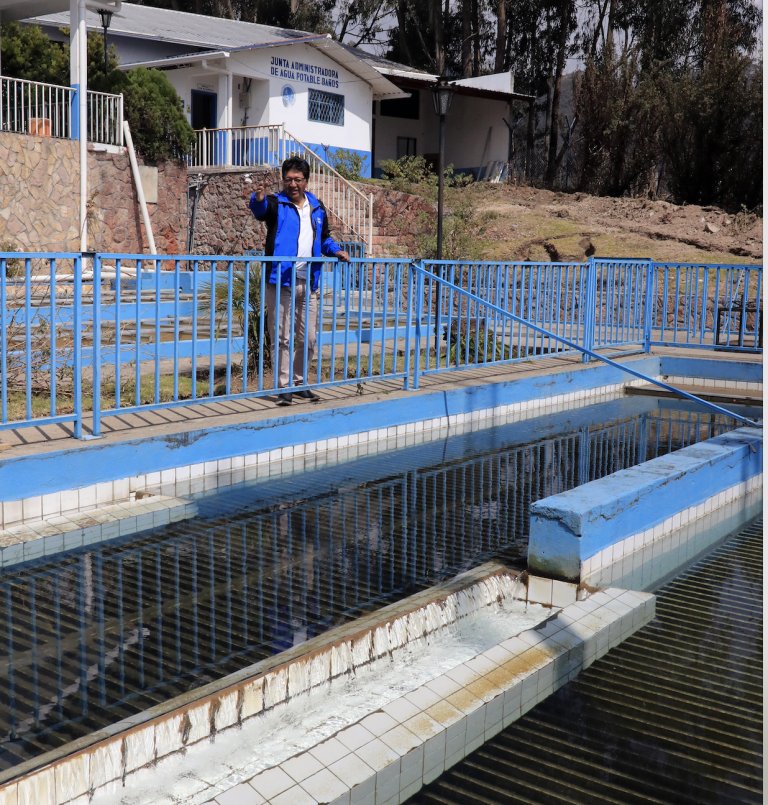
point(437, 23)
point(466, 38)
point(609, 34)
point(405, 51)
point(476, 38)
point(501, 35)
point(561, 45)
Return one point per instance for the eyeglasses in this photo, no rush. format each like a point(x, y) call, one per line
point(294, 181)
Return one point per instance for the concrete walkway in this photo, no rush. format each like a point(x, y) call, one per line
point(43, 439)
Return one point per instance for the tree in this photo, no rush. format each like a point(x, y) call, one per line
point(29, 54)
point(713, 133)
point(153, 110)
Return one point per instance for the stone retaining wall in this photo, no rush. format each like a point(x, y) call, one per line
point(225, 225)
point(40, 199)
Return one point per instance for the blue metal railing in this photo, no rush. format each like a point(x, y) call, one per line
point(113, 334)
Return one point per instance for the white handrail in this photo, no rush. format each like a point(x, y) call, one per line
point(45, 110)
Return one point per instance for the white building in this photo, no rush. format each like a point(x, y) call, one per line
point(328, 96)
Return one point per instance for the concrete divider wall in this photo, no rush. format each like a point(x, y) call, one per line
point(641, 504)
point(715, 368)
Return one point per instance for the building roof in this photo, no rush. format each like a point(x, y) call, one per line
point(20, 9)
point(180, 27)
point(387, 67)
point(203, 33)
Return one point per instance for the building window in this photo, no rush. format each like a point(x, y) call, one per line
point(406, 147)
point(325, 107)
point(407, 108)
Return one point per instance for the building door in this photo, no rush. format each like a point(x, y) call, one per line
point(203, 109)
point(212, 143)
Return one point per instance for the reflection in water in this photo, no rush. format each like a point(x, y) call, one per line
point(103, 634)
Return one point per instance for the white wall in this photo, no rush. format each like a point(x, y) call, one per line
point(267, 105)
point(467, 127)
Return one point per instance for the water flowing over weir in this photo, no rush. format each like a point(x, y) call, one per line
point(100, 634)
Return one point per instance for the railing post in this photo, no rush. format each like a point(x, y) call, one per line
point(419, 290)
point(96, 352)
point(650, 284)
point(408, 324)
point(78, 338)
point(590, 300)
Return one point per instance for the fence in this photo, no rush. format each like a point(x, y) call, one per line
point(111, 334)
point(45, 110)
point(268, 146)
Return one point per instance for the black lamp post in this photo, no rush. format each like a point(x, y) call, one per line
point(442, 95)
point(106, 19)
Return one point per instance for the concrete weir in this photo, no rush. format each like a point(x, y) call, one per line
point(642, 503)
point(387, 755)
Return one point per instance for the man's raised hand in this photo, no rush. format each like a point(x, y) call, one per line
point(260, 191)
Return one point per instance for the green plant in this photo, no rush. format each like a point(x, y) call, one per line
point(28, 53)
point(349, 164)
point(13, 265)
point(238, 311)
point(416, 175)
point(153, 110)
point(481, 338)
point(464, 228)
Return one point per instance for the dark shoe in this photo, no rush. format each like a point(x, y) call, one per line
point(308, 394)
point(284, 400)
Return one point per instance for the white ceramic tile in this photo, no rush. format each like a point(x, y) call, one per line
point(242, 794)
point(329, 751)
point(325, 787)
point(302, 766)
point(272, 782)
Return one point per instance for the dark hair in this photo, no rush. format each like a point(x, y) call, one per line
point(296, 164)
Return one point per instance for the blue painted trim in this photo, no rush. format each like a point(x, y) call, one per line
point(722, 369)
point(74, 112)
point(569, 528)
point(84, 465)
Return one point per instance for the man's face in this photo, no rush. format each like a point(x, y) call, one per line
point(294, 185)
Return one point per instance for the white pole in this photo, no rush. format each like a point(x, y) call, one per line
point(82, 49)
point(139, 188)
point(230, 121)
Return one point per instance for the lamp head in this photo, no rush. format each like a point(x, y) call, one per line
point(106, 17)
point(442, 95)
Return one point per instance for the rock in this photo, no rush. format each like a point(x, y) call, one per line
point(713, 229)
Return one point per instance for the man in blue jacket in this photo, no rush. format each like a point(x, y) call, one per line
point(297, 226)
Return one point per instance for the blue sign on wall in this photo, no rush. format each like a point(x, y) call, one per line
point(289, 96)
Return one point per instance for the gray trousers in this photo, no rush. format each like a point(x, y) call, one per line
point(282, 314)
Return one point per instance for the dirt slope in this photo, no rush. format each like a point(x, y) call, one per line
point(542, 225)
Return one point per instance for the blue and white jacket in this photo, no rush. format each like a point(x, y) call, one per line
point(283, 226)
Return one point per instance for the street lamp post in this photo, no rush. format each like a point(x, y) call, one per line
point(442, 95)
point(106, 19)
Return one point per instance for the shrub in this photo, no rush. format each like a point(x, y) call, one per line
point(349, 164)
point(407, 172)
point(153, 110)
point(13, 265)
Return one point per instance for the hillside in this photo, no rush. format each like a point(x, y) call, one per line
point(543, 225)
